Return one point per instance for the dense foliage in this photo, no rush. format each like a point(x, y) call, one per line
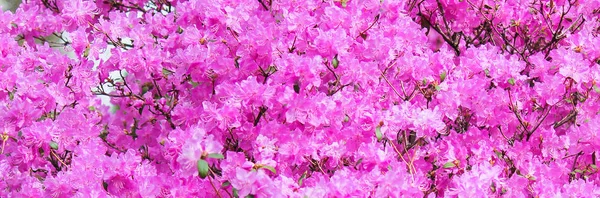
point(288, 98)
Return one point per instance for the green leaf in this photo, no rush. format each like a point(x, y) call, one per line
point(225, 184)
point(335, 62)
point(249, 196)
point(86, 53)
point(532, 178)
point(194, 84)
point(596, 88)
point(54, 145)
point(270, 168)
point(449, 165)
point(235, 192)
point(216, 156)
point(378, 133)
point(236, 62)
point(167, 72)
point(498, 153)
point(346, 118)
point(296, 88)
point(437, 88)
point(594, 166)
point(105, 185)
point(124, 73)
point(146, 88)
point(511, 81)
point(443, 76)
point(578, 171)
point(363, 35)
point(344, 3)
point(358, 162)
point(301, 179)
point(202, 168)
point(272, 69)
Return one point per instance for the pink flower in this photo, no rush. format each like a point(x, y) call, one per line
point(79, 11)
point(196, 147)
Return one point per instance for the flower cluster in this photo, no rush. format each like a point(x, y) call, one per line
point(282, 98)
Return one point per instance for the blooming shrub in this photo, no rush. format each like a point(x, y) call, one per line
point(284, 98)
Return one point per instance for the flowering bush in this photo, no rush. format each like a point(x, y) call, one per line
point(284, 98)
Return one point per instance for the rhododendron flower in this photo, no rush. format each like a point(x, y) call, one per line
point(195, 148)
point(80, 11)
point(286, 98)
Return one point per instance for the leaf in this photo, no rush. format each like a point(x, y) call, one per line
point(344, 3)
point(147, 87)
point(236, 62)
point(532, 178)
point(54, 145)
point(194, 84)
point(86, 52)
point(216, 156)
point(167, 72)
point(378, 133)
point(449, 165)
point(443, 76)
point(363, 35)
point(296, 88)
point(105, 185)
point(235, 192)
point(202, 168)
point(511, 81)
point(358, 162)
point(498, 153)
point(225, 184)
point(270, 168)
point(335, 62)
point(124, 73)
point(301, 179)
